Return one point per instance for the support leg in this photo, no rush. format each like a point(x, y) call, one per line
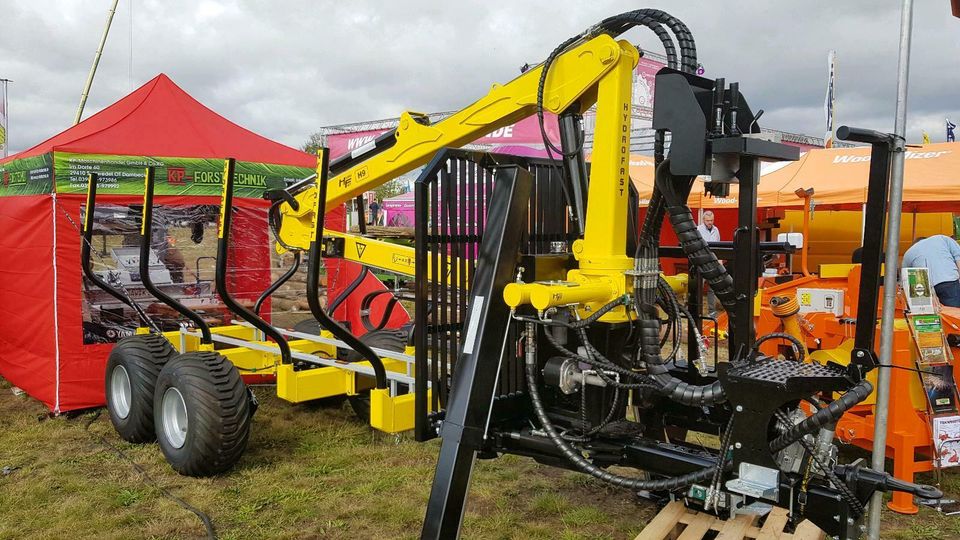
point(475, 376)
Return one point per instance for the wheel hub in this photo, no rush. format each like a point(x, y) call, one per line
point(120, 392)
point(174, 414)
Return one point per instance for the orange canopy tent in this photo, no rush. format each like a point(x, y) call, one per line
point(839, 179)
point(773, 176)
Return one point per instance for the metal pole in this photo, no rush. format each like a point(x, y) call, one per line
point(6, 117)
point(891, 265)
point(96, 61)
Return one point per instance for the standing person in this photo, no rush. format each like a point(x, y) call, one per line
point(709, 233)
point(940, 255)
point(950, 127)
point(374, 212)
point(706, 229)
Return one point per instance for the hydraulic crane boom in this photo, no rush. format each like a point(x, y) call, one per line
point(573, 82)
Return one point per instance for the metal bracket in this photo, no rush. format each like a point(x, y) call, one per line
point(756, 481)
point(333, 247)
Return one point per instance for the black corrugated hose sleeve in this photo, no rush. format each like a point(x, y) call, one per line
point(665, 484)
point(618, 24)
point(668, 47)
point(650, 348)
point(695, 248)
point(672, 387)
point(823, 417)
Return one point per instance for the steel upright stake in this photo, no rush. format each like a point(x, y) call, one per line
point(891, 265)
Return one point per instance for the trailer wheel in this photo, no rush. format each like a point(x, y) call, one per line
point(391, 340)
point(202, 413)
point(308, 326)
point(129, 381)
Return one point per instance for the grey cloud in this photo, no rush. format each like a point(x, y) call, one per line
point(284, 69)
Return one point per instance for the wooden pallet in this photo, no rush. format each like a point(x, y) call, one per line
point(677, 522)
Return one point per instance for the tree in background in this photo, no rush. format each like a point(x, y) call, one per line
point(312, 144)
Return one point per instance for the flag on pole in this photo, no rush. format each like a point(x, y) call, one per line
point(830, 100)
point(950, 127)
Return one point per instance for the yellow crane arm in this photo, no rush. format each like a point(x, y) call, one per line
point(383, 255)
point(573, 78)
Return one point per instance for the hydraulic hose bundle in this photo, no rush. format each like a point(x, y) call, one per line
point(665, 200)
point(668, 200)
point(694, 246)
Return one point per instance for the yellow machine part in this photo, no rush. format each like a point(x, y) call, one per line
point(841, 356)
point(678, 283)
point(310, 384)
point(392, 414)
point(582, 289)
point(193, 342)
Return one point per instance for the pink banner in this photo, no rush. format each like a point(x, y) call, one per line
point(525, 132)
point(643, 82)
point(342, 143)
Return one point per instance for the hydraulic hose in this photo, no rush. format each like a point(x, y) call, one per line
point(654, 19)
point(602, 364)
point(823, 417)
point(797, 344)
point(367, 304)
point(672, 387)
point(619, 24)
point(665, 484)
point(277, 284)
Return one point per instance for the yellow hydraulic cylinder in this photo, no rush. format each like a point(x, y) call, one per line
point(545, 295)
point(678, 283)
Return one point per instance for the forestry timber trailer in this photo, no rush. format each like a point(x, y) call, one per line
point(541, 314)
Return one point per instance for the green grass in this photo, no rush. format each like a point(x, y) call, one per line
point(309, 472)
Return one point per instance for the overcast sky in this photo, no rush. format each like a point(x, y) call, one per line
point(286, 68)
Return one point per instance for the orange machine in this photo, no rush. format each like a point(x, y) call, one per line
point(827, 331)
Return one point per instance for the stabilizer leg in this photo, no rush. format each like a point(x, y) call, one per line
point(475, 378)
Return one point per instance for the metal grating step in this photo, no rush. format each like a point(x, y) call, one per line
point(783, 373)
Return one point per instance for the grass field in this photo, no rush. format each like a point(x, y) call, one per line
point(309, 472)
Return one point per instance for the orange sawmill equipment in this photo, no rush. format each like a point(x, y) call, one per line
point(819, 311)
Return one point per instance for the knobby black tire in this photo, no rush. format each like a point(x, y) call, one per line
point(218, 413)
point(143, 357)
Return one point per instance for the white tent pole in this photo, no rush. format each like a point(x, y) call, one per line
point(96, 62)
point(56, 312)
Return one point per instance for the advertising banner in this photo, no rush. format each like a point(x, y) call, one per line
point(644, 82)
point(524, 132)
point(123, 175)
point(27, 176)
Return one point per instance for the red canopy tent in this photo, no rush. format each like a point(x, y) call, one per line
point(41, 338)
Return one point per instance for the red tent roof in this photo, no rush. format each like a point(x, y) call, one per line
point(160, 119)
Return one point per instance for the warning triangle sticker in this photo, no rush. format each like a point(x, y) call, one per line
point(360, 249)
